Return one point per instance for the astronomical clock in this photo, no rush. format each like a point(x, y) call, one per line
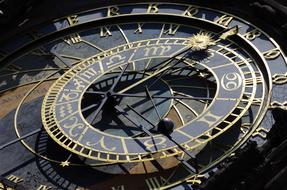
point(135, 95)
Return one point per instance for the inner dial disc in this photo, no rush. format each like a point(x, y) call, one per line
point(109, 120)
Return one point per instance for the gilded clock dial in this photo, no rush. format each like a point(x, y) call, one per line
point(121, 97)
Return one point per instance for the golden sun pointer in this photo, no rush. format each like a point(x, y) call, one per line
point(201, 41)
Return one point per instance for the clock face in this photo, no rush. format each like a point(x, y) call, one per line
point(134, 96)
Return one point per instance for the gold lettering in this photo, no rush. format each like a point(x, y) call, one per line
point(101, 142)
point(172, 29)
point(224, 20)
point(152, 8)
point(139, 29)
point(73, 39)
point(44, 187)
point(155, 183)
point(112, 11)
point(252, 34)
point(272, 54)
point(159, 50)
point(72, 20)
point(190, 11)
point(105, 32)
point(15, 179)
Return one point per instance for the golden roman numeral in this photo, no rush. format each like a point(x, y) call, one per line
point(15, 179)
point(73, 39)
point(44, 187)
point(172, 29)
point(105, 31)
point(224, 20)
point(155, 183)
point(139, 29)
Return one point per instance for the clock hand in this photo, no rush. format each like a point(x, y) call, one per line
point(165, 71)
point(135, 122)
point(166, 127)
point(174, 97)
point(155, 73)
point(221, 35)
point(184, 162)
point(94, 115)
point(162, 121)
point(139, 114)
point(119, 77)
point(163, 68)
point(150, 97)
point(20, 139)
point(107, 97)
point(228, 32)
point(143, 80)
point(194, 169)
point(60, 58)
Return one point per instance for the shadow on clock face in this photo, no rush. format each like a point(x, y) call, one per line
point(82, 175)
